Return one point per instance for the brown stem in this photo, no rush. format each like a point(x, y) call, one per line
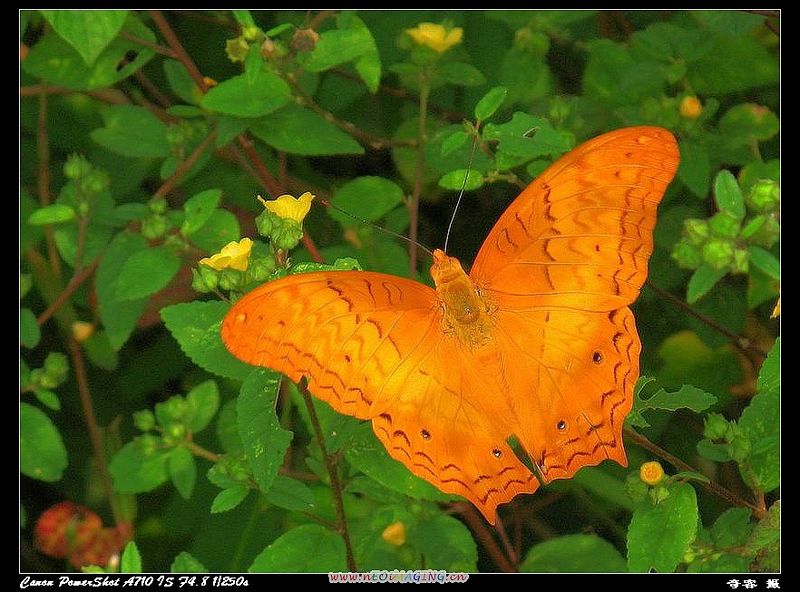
point(160, 49)
point(510, 552)
point(413, 204)
point(321, 17)
point(91, 422)
point(69, 289)
point(477, 524)
point(43, 181)
point(336, 485)
point(264, 175)
point(179, 51)
point(198, 450)
point(741, 343)
point(712, 486)
point(155, 92)
point(185, 166)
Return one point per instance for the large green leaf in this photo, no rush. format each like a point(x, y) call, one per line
point(300, 131)
point(132, 131)
point(248, 95)
point(573, 553)
point(195, 326)
point(366, 198)
point(687, 397)
point(265, 441)
point(146, 272)
point(41, 450)
point(306, 548)
point(136, 471)
point(659, 535)
point(88, 31)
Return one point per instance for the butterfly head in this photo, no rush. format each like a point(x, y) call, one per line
point(445, 269)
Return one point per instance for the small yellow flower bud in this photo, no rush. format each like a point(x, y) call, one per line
point(691, 107)
point(776, 312)
point(395, 534)
point(651, 472)
point(81, 330)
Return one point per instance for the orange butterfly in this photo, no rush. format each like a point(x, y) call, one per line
point(537, 343)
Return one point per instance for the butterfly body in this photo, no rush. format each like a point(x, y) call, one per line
point(536, 343)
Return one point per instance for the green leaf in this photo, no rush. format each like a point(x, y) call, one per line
point(185, 562)
point(47, 398)
point(613, 77)
point(291, 494)
point(41, 450)
point(694, 169)
point(338, 47)
point(455, 180)
point(446, 543)
point(527, 136)
point(131, 561)
point(182, 471)
point(198, 210)
point(52, 214)
point(227, 429)
point(88, 31)
point(732, 528)
point(703, 279)
point(265, 441)
point(735, 64)
point(765, 261)
point(54, 60)
point(659, 535)
point(749, 122)
point(100, 351)
point(527, 77)
point(367, 454)
point(687, 397)
point(728, 195)
point(132, 131)
point(203, 402)
point(306, 548)
point(135, 472)
point(244, 18)
point(460, 74)
point(768, 530)
point(146, 272)
point(229, 498)
point(490, 102)
point(119, 316)
point(713, 451)
point(368, 198)
point(221, 228)
point(180, 82)
point(195, 326)
point(248, 95)
point(453, 142)
point(29, 333)
point(297, 130)
point(760, 424)
point(573, 553)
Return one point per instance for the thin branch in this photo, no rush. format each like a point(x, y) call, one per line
point(160, 49)
point(478, 526)
point(178, 49)
point(43, 181)
point(738, 341)
point(155, 92)
point(413, 203)
point(264, 175)
point(712, 486)
point(69, 289)
point(336, 485)
point(185, 166)
point(198, 450)
point(91, 422)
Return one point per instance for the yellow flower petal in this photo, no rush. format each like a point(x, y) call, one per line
point(234, 255)
point(436, 36)
point(651, 472)
point(776, 312)
point(289, 207)
point(691, 107)
point(395, 534)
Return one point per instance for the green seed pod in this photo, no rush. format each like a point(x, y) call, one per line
point(768, 233)
point(718, 252)
point(696, 231)
point(688, 256)
point(144, 420)
point(741, 261)
point(764, 196)
point(261, 268)
point(154, 226)
point(724, 225)
point(716, 427)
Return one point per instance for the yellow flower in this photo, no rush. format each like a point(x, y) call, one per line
point(289, 207)
point(395, 534)
point(234, 255)
point(776, 312)
point(691, 107)
point(436, 36)
point(651, 472)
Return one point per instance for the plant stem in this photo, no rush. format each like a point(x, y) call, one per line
point(177, 48)
point(485, 538)
point(185, 166)
point(413, 204)
point(330, 465)
point(91, 422)
point(43, 181)
point(198, 450)
point(69, 289)
point(711, 486)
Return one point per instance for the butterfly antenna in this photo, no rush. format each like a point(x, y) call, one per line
point(328, 204)
point(461, 192)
